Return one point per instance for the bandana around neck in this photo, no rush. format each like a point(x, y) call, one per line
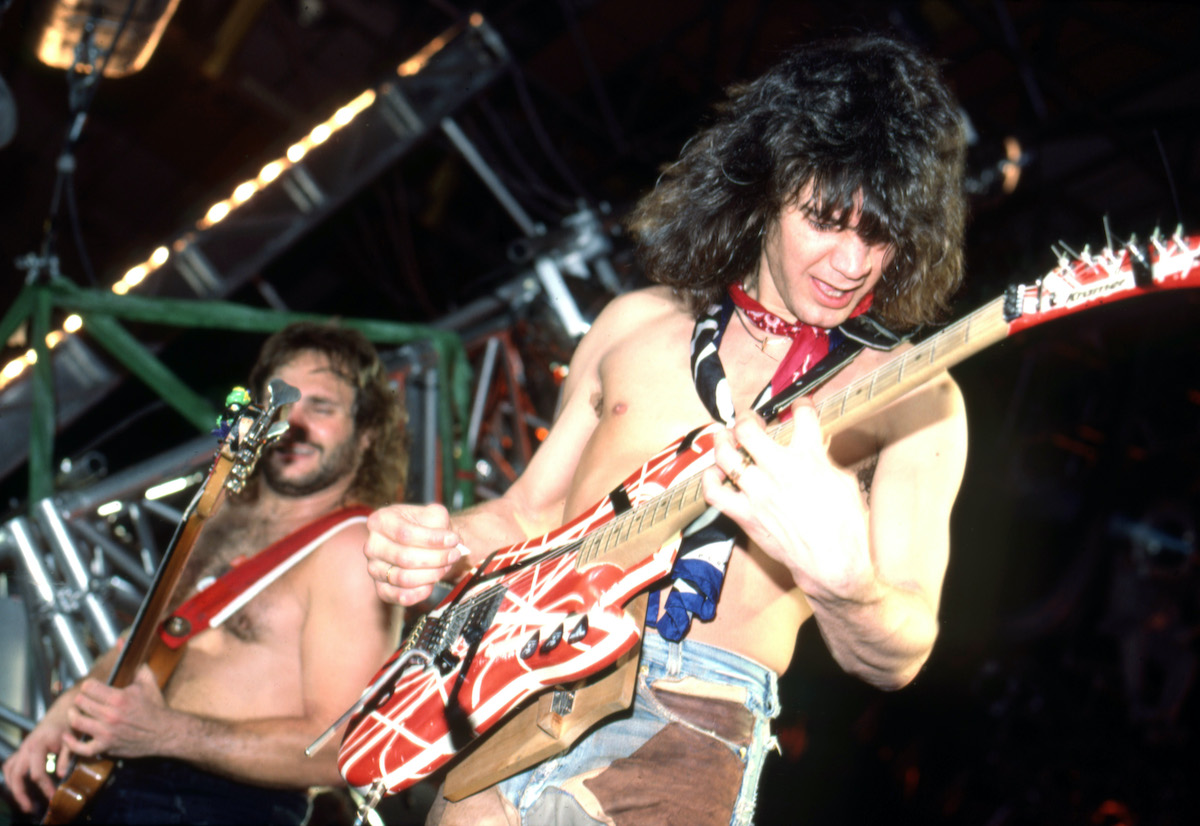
point(810, 344)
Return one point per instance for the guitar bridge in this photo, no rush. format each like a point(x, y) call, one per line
point(562, 702)
point(554, 708)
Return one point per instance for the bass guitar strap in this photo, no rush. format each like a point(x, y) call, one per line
point(222, 597)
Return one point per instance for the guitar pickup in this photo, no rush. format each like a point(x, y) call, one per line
point(531, 645)
point(579, 631)
point(553, 640)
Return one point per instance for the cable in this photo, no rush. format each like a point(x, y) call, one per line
point(81, 92)
point(543, 139)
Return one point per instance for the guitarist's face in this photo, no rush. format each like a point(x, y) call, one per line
point(320, 448)
point(816, 272)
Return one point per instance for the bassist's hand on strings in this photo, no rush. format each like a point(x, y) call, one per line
point(42, 754)
point(410, 549)
point(133, 721)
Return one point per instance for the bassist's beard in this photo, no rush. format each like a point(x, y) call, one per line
point(334, 466)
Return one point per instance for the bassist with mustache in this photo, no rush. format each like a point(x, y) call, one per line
point(224, 741)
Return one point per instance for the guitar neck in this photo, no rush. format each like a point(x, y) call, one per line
point(144, 631)
point(640, 527)
point(907, 370)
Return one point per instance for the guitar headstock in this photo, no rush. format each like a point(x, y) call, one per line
point(246, 428)
point(1088, 279)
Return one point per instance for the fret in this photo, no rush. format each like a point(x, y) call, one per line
point(585, 555)
point(625, 524)
point(828, 407)
point(889, 375)
point(857, 391)
point(619, 532)
point(662, 507)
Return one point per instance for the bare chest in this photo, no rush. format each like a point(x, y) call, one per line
point(234, 536)
point(647, 398)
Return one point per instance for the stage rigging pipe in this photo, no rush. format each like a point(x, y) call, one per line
point(70, 642)
point(73, 568)
point(120, 557)
point(130, 483)
point(486, 368)
point(464, 145)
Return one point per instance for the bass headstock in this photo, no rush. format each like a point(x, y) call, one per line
point(1086, 279)
point(246, 427)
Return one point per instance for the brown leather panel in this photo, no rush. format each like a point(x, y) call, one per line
point(678, 777)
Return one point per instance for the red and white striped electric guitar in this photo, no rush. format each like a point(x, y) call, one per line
point(552, 610)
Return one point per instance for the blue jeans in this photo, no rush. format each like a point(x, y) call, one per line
point(158, 791)
point(697, 737)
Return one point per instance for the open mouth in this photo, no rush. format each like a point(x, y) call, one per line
point(295, 450)
point(832, 295)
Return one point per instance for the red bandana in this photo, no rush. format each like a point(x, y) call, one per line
point(809, 344)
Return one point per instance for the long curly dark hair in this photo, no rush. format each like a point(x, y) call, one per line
point(383, 471)
point(859, 118)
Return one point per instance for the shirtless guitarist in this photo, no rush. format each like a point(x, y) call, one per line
point(830, 185)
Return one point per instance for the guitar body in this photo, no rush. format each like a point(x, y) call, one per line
point(555, 613)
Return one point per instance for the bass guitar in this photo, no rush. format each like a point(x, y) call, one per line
point(244, 430)
point(553, 610)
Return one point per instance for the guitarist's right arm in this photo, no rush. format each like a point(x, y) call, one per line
point(412, 547)
point(26, 767)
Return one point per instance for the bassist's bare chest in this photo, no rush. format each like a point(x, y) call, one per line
point(233, 535)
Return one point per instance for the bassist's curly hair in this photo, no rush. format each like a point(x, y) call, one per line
point(861, 123)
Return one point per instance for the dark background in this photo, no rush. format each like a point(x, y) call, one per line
point(1059, 691)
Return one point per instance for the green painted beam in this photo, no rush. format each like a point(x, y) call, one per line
point(101, 309)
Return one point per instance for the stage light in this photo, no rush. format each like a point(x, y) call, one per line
point(270, 172)
point(320, 134)
point(244, 192)
point(136, 275)
point(166, 488)
point(13, 369)
point(77, 33)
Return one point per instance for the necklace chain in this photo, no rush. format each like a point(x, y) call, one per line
point(761, 342)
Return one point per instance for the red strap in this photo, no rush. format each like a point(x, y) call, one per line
point(197, 613)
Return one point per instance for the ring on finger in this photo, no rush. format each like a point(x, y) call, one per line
point(735, 475)
point(388, 575)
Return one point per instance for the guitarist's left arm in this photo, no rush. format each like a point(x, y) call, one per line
point(872, 576)
point(346, 636)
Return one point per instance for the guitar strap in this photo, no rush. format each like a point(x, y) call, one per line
point(707, 543)
point(220, 598)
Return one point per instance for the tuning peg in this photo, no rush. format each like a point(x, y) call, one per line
point(280, 393)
